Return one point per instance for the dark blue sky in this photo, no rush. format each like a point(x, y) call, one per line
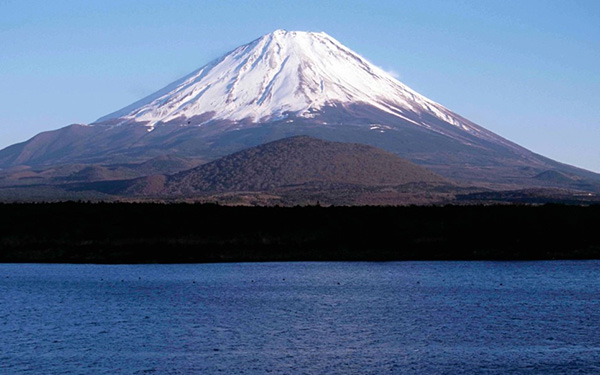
point(527, 70)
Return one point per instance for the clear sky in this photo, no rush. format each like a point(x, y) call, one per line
point(528, 70)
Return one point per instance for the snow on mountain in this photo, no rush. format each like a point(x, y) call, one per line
point(284, 84)
point(284, 73)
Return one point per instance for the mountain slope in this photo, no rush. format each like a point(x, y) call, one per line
point(288, 163)
point(285, 84)
point(298, 161)
point(288, 74)
point(281, 74)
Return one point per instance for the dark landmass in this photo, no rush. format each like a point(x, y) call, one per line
point(289, 163)
point(180, 233)
point(530, 196)
point(292, 171)
point(301, 160)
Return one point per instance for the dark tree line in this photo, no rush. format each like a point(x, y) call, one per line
point(159, 233)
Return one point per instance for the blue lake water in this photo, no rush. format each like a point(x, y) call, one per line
point(301, 318)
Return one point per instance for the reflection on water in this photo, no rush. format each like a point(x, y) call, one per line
point(294, 318)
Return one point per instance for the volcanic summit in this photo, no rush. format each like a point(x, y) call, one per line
point(290, 83)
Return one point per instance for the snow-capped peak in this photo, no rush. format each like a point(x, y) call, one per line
point(281, 73)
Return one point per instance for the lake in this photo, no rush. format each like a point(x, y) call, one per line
point(301, 318)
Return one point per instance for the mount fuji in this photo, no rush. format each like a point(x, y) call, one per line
point(280, 75)
point(290, 83)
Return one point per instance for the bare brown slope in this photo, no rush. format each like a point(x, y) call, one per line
point(299, 161)
point(163, 164)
